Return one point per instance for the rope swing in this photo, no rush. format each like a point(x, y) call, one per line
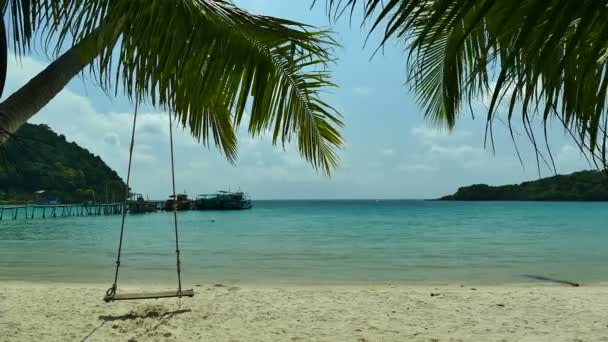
point(111, 294)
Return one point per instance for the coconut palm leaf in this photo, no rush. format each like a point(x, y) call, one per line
point(530, 58)
point(206, 61)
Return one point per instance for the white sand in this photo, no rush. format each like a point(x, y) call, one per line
point(60, 312)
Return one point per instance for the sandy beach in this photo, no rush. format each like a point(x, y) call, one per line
point(73, 312)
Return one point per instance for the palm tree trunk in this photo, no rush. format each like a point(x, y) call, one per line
point(3, 55)
point(40, 90)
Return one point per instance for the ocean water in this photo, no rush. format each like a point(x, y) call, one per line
point(320, 242)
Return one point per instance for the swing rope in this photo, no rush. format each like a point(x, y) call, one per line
point(112, 290)
point(179, 276)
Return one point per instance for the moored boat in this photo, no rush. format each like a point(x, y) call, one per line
point(182, 202)
point(223, 200)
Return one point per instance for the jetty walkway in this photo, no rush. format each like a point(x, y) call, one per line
point(59, 210)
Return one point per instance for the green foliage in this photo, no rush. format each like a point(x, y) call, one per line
point(578, 186)
point(205, 61)
point(544, 59)
point(39, 159)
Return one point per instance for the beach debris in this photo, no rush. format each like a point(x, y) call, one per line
point(435, 294)
point(151, 313)
point(219, 285)
point(550, 280)
point(167, 334)
point(501, 305)
point(473, 289)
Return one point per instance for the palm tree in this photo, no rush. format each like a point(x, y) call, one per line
point(543, 59)
point(3, 55)
point(204, 61)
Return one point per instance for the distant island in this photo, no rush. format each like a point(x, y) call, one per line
point(578, 186)
point(38, 165)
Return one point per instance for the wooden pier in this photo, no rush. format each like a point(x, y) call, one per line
point(59, 210)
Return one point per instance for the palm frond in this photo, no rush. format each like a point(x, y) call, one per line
point(206, 61)
point(546, 59)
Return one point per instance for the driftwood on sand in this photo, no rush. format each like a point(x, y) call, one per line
point(551, 280)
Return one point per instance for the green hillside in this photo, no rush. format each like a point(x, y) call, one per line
point(39, 159)
point(578, 186)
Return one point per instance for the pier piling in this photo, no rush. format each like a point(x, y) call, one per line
point(67, 210)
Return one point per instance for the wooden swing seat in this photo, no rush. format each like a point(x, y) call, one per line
point(149, 295)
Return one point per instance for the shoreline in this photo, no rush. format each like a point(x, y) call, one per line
point(541, 312)
point(524, 280)
point(131, 284)
point(150, 286)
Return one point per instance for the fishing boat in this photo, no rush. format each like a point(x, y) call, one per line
point(138, 205)
point(223, 200)
point(182, 203)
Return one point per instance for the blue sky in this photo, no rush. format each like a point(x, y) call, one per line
point(390, 152)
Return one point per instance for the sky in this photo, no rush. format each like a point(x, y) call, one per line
point(391, 151)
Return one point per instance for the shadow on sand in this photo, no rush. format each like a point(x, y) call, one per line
point(163, 317)
point(149, 314)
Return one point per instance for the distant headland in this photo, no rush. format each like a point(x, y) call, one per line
point(578, 186)
point(39, 165)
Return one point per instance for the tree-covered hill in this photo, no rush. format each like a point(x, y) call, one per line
point(578, 186)
point(39, 159)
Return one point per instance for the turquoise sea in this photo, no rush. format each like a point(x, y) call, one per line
point(321, 242)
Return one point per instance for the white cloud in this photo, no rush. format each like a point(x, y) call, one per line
point(443, 146)
point(457, 152)
point(568, 153)
point(363, 91)
point(425, 133)
point(388, 152)
point(19, 72)
point(569, 158)
point(428, 135)
point(111, 138)
point(417, 167)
